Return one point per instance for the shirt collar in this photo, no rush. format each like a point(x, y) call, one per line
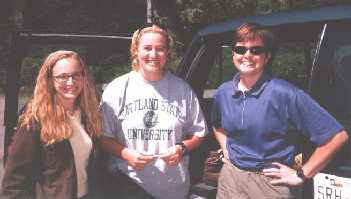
point(256, 89)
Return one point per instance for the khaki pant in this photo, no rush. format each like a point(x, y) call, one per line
point(239, 184)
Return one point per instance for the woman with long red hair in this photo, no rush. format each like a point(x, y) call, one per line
point(54, 145)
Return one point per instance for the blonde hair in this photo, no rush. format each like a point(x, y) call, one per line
point(136, 39)
point(47, 110)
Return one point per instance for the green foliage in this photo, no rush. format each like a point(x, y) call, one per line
point(209, 11)
point(108, 69)
point(103, 72)
point(198, 13)
point(174, 62)
point(32, 62)
point(122, 17)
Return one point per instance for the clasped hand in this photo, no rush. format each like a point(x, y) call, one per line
point(174, 155)
point(139, 161)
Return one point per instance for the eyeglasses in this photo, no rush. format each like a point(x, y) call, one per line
point(255, 50)
point(63, 78)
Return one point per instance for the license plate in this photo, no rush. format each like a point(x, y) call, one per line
point(328, 186)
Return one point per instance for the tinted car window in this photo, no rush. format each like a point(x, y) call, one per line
point(331, 86)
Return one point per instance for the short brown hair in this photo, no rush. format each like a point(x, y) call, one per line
point(254, 31)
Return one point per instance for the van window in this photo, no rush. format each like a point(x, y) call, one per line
point(331, 87)
point(340, 103)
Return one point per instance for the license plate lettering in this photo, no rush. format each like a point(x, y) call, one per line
point(328, 186)
point(328, 193)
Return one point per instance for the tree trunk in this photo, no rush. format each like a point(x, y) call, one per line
point(149, 11)
point(167, 9)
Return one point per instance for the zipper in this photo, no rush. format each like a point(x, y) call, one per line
point(243, 109)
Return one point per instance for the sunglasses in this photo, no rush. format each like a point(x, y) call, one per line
point(255, 50)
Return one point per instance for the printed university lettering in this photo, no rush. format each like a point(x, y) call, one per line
point(149, 134)
point(152, 104)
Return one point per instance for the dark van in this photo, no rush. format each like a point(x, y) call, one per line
point(323, 37)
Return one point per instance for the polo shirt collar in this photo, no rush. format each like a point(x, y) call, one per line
point(256, 89)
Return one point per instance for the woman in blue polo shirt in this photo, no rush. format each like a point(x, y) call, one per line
point(252, 118)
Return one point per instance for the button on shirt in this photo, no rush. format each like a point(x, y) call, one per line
point(265, 123)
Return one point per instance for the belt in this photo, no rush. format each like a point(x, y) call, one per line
point(257, 170)
point(253, 170)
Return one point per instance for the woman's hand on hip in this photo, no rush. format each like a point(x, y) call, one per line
point(282, 175)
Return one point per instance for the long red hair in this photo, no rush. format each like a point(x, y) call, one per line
point(47, 110)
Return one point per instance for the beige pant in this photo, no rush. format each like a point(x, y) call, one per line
point(239, 184)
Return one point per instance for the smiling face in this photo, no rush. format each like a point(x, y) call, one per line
point(250, 64)
point(152, 55)
point(68, 80)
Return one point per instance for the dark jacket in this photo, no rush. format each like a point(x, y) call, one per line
point(37, 170)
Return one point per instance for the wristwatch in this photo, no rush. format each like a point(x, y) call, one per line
point(300, 174)
point(184, 149)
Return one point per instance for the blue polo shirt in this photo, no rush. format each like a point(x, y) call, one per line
point(265, 123)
